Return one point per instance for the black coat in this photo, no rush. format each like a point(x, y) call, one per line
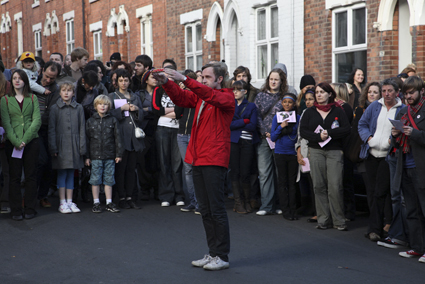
point(103, 138)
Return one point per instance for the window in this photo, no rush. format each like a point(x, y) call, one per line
point(194, 46)
point(69, 36)
point(97, 41)
point(267, 40)
point(37, 40)
point(349, 44)
point(146, 36)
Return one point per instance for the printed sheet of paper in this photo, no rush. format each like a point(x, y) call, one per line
point(323, 143)
point(17, 153)
point(119, 103)
point(288, 116)
point(271, 143)
point(397, 124)
point(306, 167)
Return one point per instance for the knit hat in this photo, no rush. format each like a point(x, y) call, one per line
point(307, 80)
point(146, 75)
point(115, 56)
point(27, 55)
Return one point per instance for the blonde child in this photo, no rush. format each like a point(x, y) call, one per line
point(104, 146)
point(67, 143)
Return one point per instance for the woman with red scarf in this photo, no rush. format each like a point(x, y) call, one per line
point(325, 125)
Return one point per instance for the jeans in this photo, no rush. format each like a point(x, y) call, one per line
point(414, 195)
point(398, 230)
point(66, 178)
point(266, 172)
point(29, 163)
point(326, 168)
point(102, 169)
point(183, 142)
point(170, 177)
point(287, 168)
point(209, 189)
point(379, 197)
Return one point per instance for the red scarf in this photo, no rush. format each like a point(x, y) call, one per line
point(327, 107)
point(404, 140)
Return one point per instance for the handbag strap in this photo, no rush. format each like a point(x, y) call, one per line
point(411, 119)
point(243, 110)
point(129, 112)
point(271, 108)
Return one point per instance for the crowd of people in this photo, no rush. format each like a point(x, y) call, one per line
point(133, 132)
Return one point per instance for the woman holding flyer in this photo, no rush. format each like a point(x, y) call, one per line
point(21, 119)
point(284, 134)
point(325, 125)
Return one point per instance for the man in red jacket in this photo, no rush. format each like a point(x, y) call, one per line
point(208, 152)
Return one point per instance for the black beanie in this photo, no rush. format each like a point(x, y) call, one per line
point(307, 80)
point(115, 56)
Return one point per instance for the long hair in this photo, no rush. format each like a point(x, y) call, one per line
point(341, 91)
point(283, 85)
point(3, 85)
point(26, 90)
point(351, 77)
point(363, 96)
point(328, 89)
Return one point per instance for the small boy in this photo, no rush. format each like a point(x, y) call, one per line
point(103, 146)
point(31, 67)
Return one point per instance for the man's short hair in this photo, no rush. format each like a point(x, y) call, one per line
point(170, 61)
point(57, 53)
point(218, 69)
point(145, 60)
point(90, 78)
point(390, 82)
point(79, 53)
point(102, 99)
point(413, 82)
point(240, 70)
point(54, 66)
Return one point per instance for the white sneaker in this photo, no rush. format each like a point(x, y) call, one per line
point(165, 204)
point(74, 207)
point(279, 212)
point(180, 203)
point(202, 262)
point(261, 212)
point(64, 208)
point(216, 263)
point(422, 259)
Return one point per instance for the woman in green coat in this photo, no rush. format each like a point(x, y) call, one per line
point(20, 115)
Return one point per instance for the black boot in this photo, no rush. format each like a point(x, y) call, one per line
point(239, 205)
point(246, 187)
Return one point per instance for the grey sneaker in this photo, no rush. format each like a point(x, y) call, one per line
point(216, 264)
point(202, 262)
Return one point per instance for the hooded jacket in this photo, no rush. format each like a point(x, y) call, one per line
point(210, 139)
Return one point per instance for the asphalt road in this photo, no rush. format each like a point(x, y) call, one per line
point(157, 244)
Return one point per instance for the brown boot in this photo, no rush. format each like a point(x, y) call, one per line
point(239, 206)
point(246, 187)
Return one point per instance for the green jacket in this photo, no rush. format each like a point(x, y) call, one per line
point(20, 126)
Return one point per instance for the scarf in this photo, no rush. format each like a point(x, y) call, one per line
point(403, 140)
point(327, 107)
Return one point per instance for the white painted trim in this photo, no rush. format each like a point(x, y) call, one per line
point(55, 20)
point(122, 16)
point(36, 4)
point(47, 25)
point(110, 28)
point(216, 13)
point(191, 17)
point(36, 27)
point(92, 1)
point(46, 1)
point(69, 16)
point(4, 2)
point(331, 4)
point(144, 11)
point(96, 26)
point(17, 16)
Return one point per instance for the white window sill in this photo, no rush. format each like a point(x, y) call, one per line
point(35, 5)
point(4, 2)
point(92, 1)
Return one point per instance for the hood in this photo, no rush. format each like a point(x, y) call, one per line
point(282, 67)
point(399, 103)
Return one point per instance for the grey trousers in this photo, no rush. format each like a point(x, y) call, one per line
point(326, 170)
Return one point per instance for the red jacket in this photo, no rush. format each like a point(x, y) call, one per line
point(210, 139)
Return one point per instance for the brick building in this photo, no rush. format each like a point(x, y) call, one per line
point(325, 38)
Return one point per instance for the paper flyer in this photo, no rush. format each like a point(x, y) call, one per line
point(271, 143)
point(119, 103)
point(306, 167)
point(323, 143)
point(288, 116)
point(397, 124)
point(17, 153)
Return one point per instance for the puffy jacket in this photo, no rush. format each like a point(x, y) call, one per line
point(210, 139)
point(103, 138)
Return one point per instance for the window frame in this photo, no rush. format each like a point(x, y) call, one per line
point(350, 47)
point(99, 55)
point(70, 43)
point(267, 41)
point(38, 47)
point(146, 36)
point(195, 53)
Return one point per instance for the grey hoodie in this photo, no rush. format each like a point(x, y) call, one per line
point(282, 67)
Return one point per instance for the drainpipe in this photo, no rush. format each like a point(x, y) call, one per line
point(84, 24)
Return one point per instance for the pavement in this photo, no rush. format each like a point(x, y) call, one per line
point(157, 244)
